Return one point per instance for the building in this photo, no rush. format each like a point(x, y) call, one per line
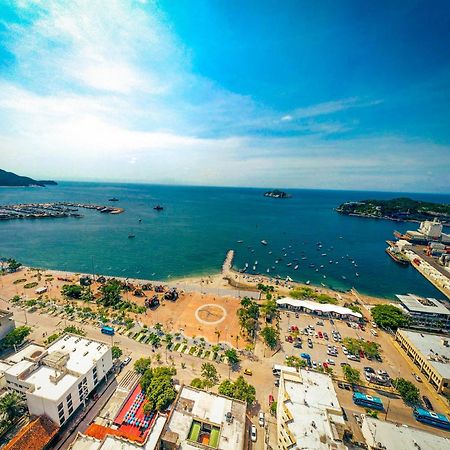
point(426, 313)
point(202, 419)
point(326, 310)
point(308, 412)
point(6, 323)
point(381, 435)
point(56, 380)
point(431, 229)
point(429, 352)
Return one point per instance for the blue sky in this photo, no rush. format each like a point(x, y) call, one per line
point(330, 94)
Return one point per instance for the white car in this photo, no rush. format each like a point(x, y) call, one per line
point(374, 324)
point(314, 365)
point(344, 350)
point(126, 360)
point(261, 419)
point(253, 433)
point(331, 362)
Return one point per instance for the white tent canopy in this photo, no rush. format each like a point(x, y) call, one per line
point(318, 307)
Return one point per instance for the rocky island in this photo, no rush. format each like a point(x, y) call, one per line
point(277, 194)
point(399, 209)
point(10, 179)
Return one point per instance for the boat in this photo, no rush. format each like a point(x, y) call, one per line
point(357, 274)
point(158, 208)
point(304, 257)
point(343, 277)
point(264, 242)
point(113, 199)
point(330, 261)
point(254, 268)
point(246, 264)
point(131, 236)
point(256, 262)
point(321, 266)
point(323, 285)
point(276, 261)
point(288, 279)
point(270, 252)
point(308, 282)
point(289, 264)
point(398, 257)
point(240, 242)
point(140, 220)
point(268, 270)
point(324, 276)
point(324, 254)
point(296, 267)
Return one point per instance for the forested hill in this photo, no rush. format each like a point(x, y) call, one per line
point(11, 179)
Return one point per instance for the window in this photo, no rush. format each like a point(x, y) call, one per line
point(60, 407)
point(69, 398)
point(70, 409)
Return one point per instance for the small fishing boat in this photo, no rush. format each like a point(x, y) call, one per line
point(246, 264)
point(323, 285)
point(113, 199)
point(296, 267)
point(343, 277)
point(131, 236)
point(324, 276)
point(285, 255)
point(240, 242)
point(357, 274)
point(140, 220)
point(324, 254)
point(268, 270)
point(317, 270)
point(276, 261)
point(330, 261)
point(256, 262)
point(304, 257)
point(264, 242)
point(158, 208)
point(289, 264)
point(270, 252)
point(321, 266)
point(254, 268)
point(308, 282)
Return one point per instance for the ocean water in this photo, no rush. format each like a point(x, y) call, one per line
point(199, 224)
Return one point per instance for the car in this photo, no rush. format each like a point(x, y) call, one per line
point(126, 360)
point(378, 358)
point(261, 419)
point(310, 343)
point(271, 399)
point(320, 323)
point(343, 364)
point(325, 335)
point(331, 362)
point(314, 365)
point(369, 369)
point(418, 379)
point(361, 354)
point(253, 433)
point(382, 372)
point(348, 324)
point(297, 315)
point(289, 339)
point(325, 365)
point(305, 355)
point(248, 372)
point(340, 384)
point(347, 386)
point(374, 325)
point(427, 402)
point(276, 382)
point(344, 350)
point(352, 357)
point(298, 344)
point(332, 321)
point(320, 334)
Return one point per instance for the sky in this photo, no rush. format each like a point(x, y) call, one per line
point(293, 94)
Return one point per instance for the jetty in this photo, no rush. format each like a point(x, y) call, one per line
point(437, 278)
point(51, 210)
point(228, 263)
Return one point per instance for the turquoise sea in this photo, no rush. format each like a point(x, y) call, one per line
point(199, 224)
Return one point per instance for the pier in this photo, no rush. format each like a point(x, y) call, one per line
point(51, 210)
point(228, 263)
point(438, 279)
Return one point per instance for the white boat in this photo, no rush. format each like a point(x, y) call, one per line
point(268, 270)
point(304, 257)
point(264, 242)
point(324, 276)
point(321, 266)
point(323, 284)
point(324, 254)
point(276, 261)
point(240, 242)
point(308, 282)
point(256, 262)
point(296, 267)
point(254, 268)
point(288, 279)
point(357, 274)
point(270, 253)
point(246, 264)
point(343, 277)
point(289, 264)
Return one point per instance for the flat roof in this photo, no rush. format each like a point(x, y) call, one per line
point(26, 352)
point(314, 306)
point(394, 437)
point(83, 352)
point(429, 344)
point(212, 408)
point(314, 407)
point(418, 304)
point(18, 368)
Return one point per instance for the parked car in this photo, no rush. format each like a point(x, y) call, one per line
point(344, 350)
point(418, 379)
point(427, 402)
point(276, 382)
point(310, 344)
point(289, 338)
point(261, 419)
point(320, 334)
point(298, 344)
point(325, 335)
point(331, 362)
point(352, 357)
point(253, 433)
point(271, 399)
point(369, 369)
point(314, 365)
point(344, 364)
point(297, 315)
point(126, 360)
point(248, 372)
point(340, 384)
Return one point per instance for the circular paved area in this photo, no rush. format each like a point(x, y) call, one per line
point(210, 314)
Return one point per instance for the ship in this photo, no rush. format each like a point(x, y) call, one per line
point(131, 236)
point(113, 199)
point(398, 257)
point(158, 208)
point(264, 242)
point(399, 235)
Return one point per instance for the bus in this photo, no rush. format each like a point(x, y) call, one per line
point(107, 330)
point(368, 401)
point(431, 418)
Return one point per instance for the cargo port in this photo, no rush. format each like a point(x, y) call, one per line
point(396, 254)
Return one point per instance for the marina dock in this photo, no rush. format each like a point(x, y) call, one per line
point(228, 263)
point(51, 210)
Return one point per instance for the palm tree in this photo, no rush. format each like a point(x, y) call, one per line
point(12, 406)
point(218, 333)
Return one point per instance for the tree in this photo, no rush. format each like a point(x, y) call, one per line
point(354, 346)
point(239, 389)
point(270, 309)
point(142, 365)
point(351, 375)
point(12, 406)
point(210, 375)
point(273, 409)
point(197, 383)
point(157, 385)
point(116, 352)
point(408, 391)
point(168, 338)
point(15, 337)
point(158, 326)
point(270, 336)
point(72, 291)
point(232, 356)
point(154, 339)
point(295, 361)
point(111, 293)
point(13, 265)
point(52, 338)
point(74, 330)
point(389, 316)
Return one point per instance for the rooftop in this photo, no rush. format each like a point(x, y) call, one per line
point(418, 304)
point(311, 400)
point(34, 436)
point(393, 437)
point(4, 313)
point(26, 352)
point(314, 306)
point(205, 407)
point(432, 348)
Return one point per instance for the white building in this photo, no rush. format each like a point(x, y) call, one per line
point(381, 435)
point(6, 323)
point(308, 412)
point(205, 420)
point(431, 229)
point(57, 379)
